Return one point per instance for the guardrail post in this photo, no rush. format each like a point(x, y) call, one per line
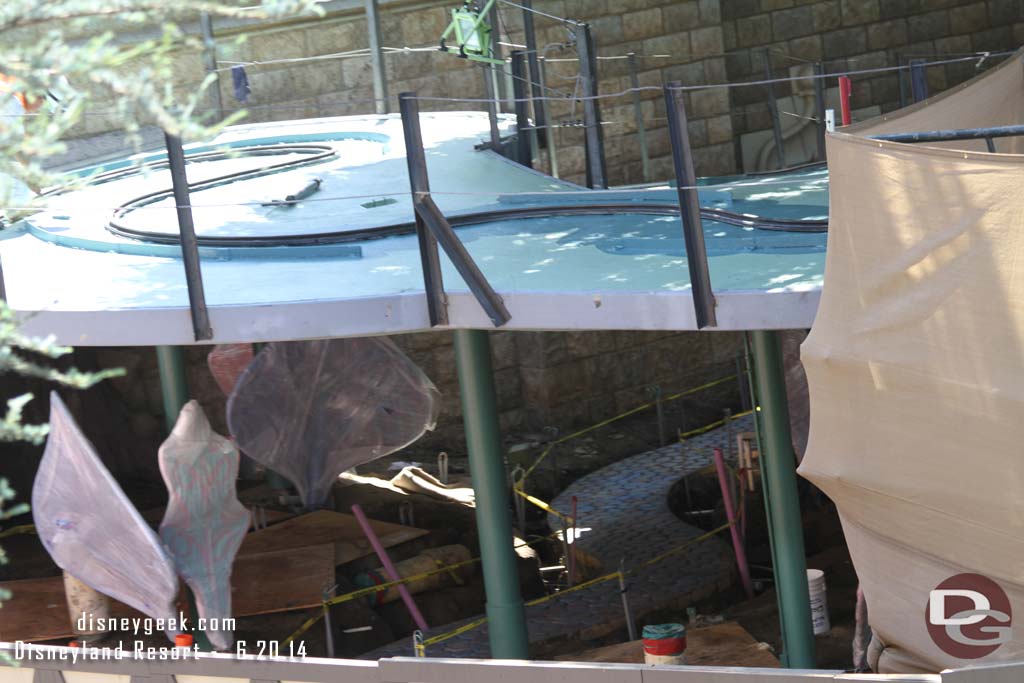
point(505, 613)
point(597, 171)
point(689, 207)
point(638, 117)
point(189, 247)
point(773, 108)
point(419, 183)
point(778, 465)
point(380, 79)
point(523, 148)
point(533, 59)
point(919, 79)
point(210, 60)
point(819, 106)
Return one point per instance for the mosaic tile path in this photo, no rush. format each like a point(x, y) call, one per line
point(623, 512)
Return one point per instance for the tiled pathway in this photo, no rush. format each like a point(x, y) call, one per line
point(623, 512)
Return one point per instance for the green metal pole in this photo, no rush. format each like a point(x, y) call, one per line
point(173, 382)
point(505, 613)
point(779, 471)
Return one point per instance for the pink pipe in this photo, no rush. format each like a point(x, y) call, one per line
point(730, 513)
point(845, 88)
point(389, 568)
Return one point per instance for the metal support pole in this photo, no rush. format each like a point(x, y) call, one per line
point(189, 247)
point(380, 78)
point(689, 207)
point(170, 361)
point(491, 86)
point(210, 61)
point(778, 467)
point(552, 143)
point(918, 79)
point(623, 589)
point(597, 172)
point(524, 151)
point(533, 58)
point(819, 107)
point(638, 117)
point(773, 108)
point(505, 612)
point(419, 182)
point(494, 19)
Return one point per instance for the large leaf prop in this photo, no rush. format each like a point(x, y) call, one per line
point(311, 410)
point(91, 529)
point(204, 523)
point(227, 362)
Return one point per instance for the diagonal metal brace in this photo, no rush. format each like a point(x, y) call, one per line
point(427, 211)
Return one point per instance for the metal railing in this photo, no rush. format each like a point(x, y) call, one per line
point(47, 664)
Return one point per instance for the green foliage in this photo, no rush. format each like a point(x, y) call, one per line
point(109, 58)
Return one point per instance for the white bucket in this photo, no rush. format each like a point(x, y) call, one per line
point(819, 601)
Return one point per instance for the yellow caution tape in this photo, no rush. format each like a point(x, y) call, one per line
point(603, 423)
point(542, 505)
point(713, 425)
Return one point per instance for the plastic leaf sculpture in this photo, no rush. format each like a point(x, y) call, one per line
point(204, 523)
point(91, 529)
point(311, 410)
point(227, 362)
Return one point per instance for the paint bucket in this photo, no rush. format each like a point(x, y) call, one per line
point(88, 608)
point(819, 601)
point(665, 644)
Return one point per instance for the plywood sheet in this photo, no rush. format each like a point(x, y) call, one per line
point(327, 526)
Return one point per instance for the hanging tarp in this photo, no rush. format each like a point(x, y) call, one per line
point(311, 410)
point(916, 372)
point(91, 529)
point(204, 523)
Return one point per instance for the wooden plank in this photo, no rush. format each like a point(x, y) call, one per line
point(327, 526)
point(262, 583)
point(725, 644)
point(281, 580)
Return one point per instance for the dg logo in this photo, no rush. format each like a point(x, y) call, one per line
point(968, 616)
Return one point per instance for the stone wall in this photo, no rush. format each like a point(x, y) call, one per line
point(693, 41)
point(543, 379)
point(852, 35)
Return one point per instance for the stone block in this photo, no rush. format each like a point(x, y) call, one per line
point(892, 33)
point(608, 31)
point(706, 103)
point(682, 16)
point(845, 42)
point(1004, 13)
point(928, 26)
point(772, 5)
point(756, 30)
point(969, 19)
point(715, 159)
point(808, 48)
point(338, 36)
point(643, 24)
point(791, 23)
point(710, 12)
point(859, 12)
point(737, 9)
point(719, 129)
point(677, 45)
point(715, 71)
point(706, 42)
point(827, 15)
point(998, 38)
point(507, 388)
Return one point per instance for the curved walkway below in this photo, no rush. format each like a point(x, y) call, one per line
point(623, 511)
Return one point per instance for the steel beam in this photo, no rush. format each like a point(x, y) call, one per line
point(380, 78)
point(778, 465)
point(505, 613)
point(773, 108)
point(597, 170)
point(919, 79)
point(524, 150)
point(819, 107)
point(189, 247)
point(419, 183)
point(210, 60)
point(533, 58)
point(689, 207)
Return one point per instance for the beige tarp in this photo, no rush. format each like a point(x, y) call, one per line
point(916, 362)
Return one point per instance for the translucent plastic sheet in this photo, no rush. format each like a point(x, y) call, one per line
point(311, 410)
point(227, 362)
point(91, 529)
point(204, 523)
